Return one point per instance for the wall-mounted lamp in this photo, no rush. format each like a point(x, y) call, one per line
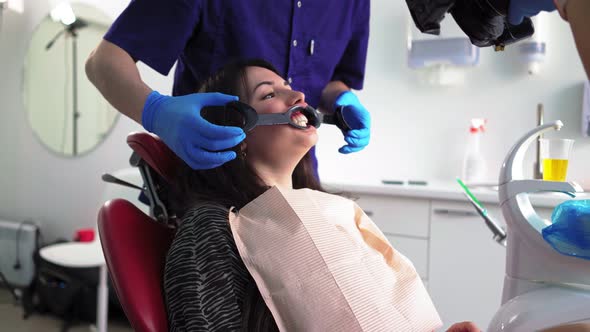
point(63, 12)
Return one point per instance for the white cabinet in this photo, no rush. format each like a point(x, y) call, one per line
point(451, 248)
point(397, 215)
point(405, 223)
point(466, 265)
point(415, 250)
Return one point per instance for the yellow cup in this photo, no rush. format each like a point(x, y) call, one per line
point(555, 154)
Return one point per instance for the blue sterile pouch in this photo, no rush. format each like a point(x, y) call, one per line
point(570, 232)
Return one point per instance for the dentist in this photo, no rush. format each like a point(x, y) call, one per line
point(320, 46)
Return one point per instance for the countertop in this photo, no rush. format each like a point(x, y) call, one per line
point(444, 190)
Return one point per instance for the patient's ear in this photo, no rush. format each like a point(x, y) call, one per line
point(243, 149)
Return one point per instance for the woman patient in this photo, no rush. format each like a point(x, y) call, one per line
point(207, 286)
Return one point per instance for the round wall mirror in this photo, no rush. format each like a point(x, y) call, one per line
point(66, 112)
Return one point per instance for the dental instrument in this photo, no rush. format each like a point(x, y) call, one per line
point(499, 232)
point(542, 288)
point(244, 116)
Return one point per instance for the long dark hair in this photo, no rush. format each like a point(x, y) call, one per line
point(234, 183)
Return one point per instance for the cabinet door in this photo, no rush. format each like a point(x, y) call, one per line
point(466, 265)
point(405, 223)
point(416, 250)
point(397, 215)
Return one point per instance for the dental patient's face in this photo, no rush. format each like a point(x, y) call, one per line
point(270, 93)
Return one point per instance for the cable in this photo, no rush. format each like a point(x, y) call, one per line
point(17, 263)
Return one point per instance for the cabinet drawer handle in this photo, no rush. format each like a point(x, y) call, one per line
point(460, 213)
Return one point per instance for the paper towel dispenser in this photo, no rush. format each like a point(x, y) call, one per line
point(456, 51)
point(451, 48)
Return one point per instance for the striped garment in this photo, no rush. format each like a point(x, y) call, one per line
point(207, 286)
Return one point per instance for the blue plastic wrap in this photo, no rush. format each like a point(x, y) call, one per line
point(570, 232)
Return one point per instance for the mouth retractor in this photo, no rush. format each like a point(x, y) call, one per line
point(301, 117)
point(244, 116)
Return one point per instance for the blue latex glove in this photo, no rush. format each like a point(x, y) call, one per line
point(178, 122)
point(359, 120)
point(569, 233)
point(518, 9)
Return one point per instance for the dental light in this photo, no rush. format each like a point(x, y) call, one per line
point(484, 21)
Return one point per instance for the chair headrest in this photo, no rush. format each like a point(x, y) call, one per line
point(155, 153)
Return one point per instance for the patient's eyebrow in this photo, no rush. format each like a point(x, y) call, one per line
point(285, 83)
point(262, 83)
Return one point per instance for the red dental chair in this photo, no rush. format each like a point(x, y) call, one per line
point(134, 244)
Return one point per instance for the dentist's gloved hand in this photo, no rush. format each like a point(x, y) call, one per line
point(358, 118)
point(518, 9)
point(178, 122)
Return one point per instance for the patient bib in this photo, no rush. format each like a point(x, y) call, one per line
point(321, 264)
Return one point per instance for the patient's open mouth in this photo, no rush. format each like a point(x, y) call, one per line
point(299, 119)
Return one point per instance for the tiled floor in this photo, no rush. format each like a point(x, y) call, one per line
point(11, 320)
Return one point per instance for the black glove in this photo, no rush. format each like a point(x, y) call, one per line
point(427, 15)
point(483, 21)
point(480, 22)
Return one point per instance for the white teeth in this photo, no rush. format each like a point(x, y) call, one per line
point(299, 119)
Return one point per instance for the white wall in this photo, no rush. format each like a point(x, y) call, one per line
point(418, 131)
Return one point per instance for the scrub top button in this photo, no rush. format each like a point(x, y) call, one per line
point(298, 4)
point(295, 42)
point(290, 80)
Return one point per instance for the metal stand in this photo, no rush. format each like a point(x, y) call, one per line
point(72, 31)
point(75, 113)
point(538, 166)
point(102, 308)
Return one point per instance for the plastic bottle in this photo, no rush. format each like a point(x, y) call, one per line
point(474, 165)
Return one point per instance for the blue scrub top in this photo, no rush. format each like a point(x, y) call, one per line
point(310, 42)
